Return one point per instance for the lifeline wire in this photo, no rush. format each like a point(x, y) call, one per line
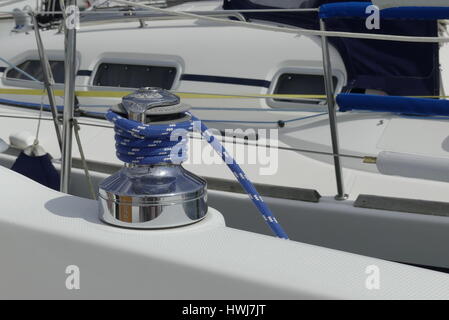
point(297, 31)
point(139, 143)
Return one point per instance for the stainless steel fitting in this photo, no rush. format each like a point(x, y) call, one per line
point(153, 196)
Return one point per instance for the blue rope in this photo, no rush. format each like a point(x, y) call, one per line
point(46, 107)
point(139, 143)
point(244, 181)
point(142, 144)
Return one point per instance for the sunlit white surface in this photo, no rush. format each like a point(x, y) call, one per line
point(50, 231)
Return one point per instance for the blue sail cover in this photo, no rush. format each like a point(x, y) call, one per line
point(358, 10)
point(407, 105)
point(398, 68)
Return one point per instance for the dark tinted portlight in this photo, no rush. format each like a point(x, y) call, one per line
point(34, 68)
point(308, 84)
point(134, 76)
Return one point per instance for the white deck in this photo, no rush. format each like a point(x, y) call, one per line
point(49, 231)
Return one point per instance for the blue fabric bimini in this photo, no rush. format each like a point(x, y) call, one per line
point(39, 169)
point(397, 68)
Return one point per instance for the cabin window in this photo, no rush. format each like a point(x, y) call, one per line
point(307, 84)
point(34, 68)
point(134, 76)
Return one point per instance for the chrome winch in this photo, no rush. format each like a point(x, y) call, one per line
point(152, 196)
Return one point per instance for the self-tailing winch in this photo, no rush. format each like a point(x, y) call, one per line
point(153, 190)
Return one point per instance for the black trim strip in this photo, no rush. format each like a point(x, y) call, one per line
point(430, 208)
point(2, 69)
point(227, 80)
point(265, 190)
point(432, 268)
point(84, 73)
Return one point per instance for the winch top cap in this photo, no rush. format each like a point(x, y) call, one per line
point(145, 99)
point(151, 102)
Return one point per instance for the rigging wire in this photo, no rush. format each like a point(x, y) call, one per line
point(297, 31)
point(98, 125)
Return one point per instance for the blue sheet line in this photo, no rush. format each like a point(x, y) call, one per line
point(46, 107)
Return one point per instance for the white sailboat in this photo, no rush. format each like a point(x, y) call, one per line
point(389, 213)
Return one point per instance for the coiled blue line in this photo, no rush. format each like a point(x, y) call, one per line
point(139, 143)
point(142, 144)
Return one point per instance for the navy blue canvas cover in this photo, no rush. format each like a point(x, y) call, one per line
point(398, 68)
point(39, 169)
